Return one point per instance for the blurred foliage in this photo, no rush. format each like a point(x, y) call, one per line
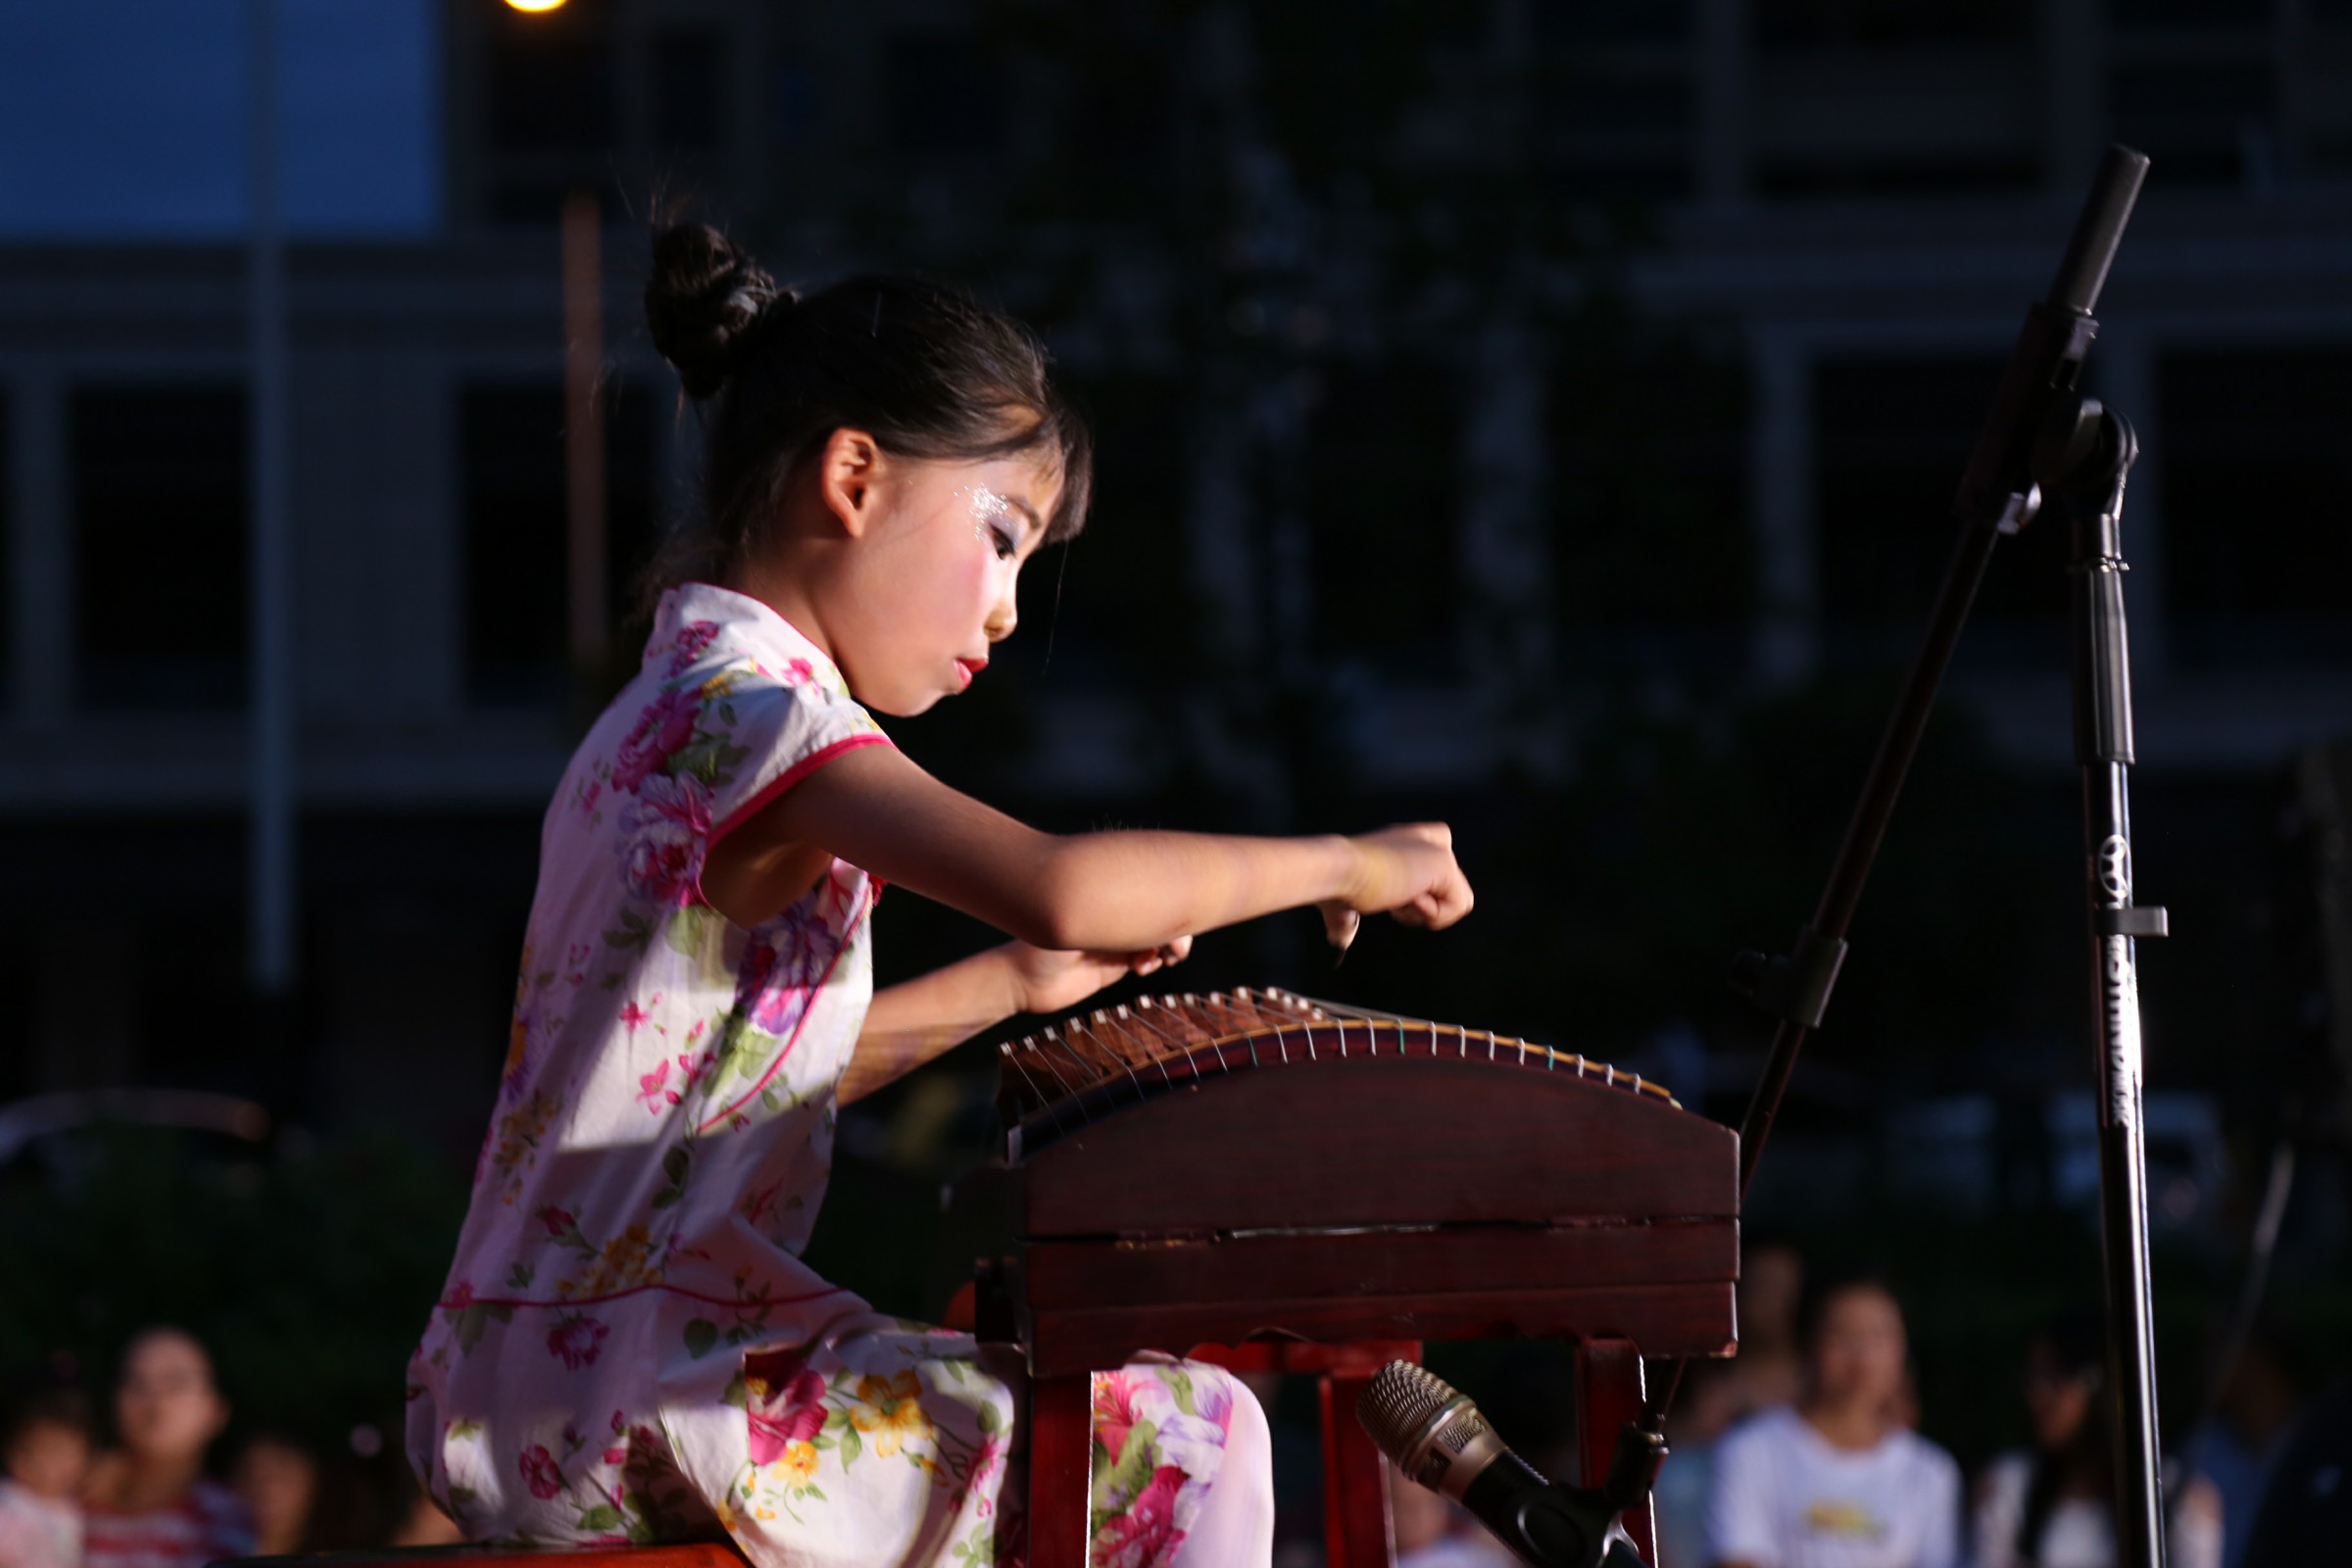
point(309, 1279)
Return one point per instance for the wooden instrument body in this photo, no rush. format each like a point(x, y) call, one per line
point(1378, 1198)
point(1332, 1179)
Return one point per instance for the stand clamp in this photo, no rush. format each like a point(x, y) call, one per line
point(1796, 985)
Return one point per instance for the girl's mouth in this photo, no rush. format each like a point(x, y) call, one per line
point(967, 668)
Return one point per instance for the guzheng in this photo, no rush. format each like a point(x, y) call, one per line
point(1324, 1188)
point(1257, 1166)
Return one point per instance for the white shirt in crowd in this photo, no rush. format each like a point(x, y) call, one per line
point(2081, 1533)
point(36, 1533)
point(1784, 1498)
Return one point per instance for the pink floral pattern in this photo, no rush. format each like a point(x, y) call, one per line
point(653, 1168)
point(539, 1472)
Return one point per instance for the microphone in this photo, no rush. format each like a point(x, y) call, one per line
point(1435, 1436)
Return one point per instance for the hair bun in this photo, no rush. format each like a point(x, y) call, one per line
point(704, 295)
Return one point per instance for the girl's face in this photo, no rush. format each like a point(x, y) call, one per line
point(165, 1406)
point(936, 577)
point(2057, 1400)
point(49, 1460)
point(1857, 1349)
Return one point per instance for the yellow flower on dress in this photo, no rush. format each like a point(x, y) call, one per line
point(518, 1036)
point(798, 1466)
point(891, 1412)
point(622, 1265)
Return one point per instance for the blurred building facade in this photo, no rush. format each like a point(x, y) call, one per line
point(1349, 427)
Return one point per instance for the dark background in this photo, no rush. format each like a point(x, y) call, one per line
point(1432, 354)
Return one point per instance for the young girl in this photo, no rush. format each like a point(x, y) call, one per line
point(2054, 1506)
point(148, 1503)
point(44, 1458)
point(629, 1347)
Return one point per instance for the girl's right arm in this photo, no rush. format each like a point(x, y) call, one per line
point(1110, 892)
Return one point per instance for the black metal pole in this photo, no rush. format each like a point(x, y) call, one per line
point(2103, 749)
point(1999, 494)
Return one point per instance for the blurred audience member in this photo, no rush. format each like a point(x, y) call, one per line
point(1432, 1533)
point(1708, 1405)
point(421, 1521)
point(279, 1479)
point(2239, 1451)
point(2055, 1507)
point(1767, 1370)
point(1835, 1482)
point(149, 1502)
point(44, 1458)
point(1717, 1396)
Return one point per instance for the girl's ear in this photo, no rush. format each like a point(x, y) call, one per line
point(847, 473)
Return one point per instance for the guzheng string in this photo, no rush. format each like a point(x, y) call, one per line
point(1070, 1073)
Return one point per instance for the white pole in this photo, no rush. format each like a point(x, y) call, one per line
point(269, 861)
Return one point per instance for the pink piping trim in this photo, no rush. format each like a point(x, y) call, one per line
point(785, 1055)
point(636, 1290)
point(786, 780)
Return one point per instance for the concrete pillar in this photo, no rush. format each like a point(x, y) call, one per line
point(40, 546)
point(1722, 63)
point(1780, 470)
point(1505, 552)
point(1223, 566)
point(85, 1022)
point(2074, 93)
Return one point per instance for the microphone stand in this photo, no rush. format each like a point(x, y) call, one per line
point(2039, 429)
point(2092, 460)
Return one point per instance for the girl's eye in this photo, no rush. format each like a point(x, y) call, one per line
point(1005, 542)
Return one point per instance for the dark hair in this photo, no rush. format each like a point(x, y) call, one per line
point(2077, 1342)
point(44, 1402)
point(1824, 1286)
point(925, 368)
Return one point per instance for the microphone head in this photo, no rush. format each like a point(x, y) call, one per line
point(1428, 1428)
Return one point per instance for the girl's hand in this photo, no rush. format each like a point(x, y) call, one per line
point(1048, 980)
point(1409, 871)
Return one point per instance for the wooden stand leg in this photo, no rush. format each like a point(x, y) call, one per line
point(1608, 1395)
point(1061, 1449)
point(1357, 1529)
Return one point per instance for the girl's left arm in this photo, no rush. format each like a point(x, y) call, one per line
point(916, 1020)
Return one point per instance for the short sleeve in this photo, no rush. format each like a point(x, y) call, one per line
point(773, 730)
point(2000, 1503)
point(1739, 1508)
point(1939, 1535)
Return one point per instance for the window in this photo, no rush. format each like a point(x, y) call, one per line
point(1616, 129)
point(1819, 23)
point(159, 547)
point(7, 557)
point(1379, 502)
point(687, 88)
point(1122, 128)
point(2199, 119)
point(550, 79)
point(1119, 606)
point(793, 104)
point(1577, 23)
point(1892, 438)
point(943, 96)
point(2257, 485)
point(1646, 442)
point(511, 470)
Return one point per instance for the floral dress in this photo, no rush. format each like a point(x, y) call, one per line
point(628, 1348)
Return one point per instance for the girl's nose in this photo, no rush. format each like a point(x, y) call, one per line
point(1003, 618)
